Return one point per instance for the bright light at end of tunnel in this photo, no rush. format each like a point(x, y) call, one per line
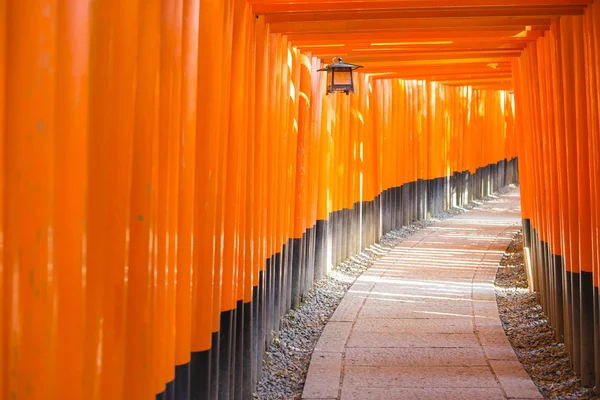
point(411, 43)
point(320, 45)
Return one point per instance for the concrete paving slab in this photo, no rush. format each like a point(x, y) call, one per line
point(334, 336)
point(412, 325)
point(361, 285)
point(514, 380)
point(322, 380)
point(495, 344)
point(348, 309)
point(424, 273)
point(499, 352)
point(411, 339)
point(487, 323)
point(483, 295)
point(375, 274)
point(485, 310)
point(390, 313)
point(416, 357)
point(421, 394)
point(430, 284)
point(423, 322)
point(419, 293)
point(418, 377)
point(381, 307)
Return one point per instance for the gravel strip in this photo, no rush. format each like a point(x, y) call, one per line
point(286, 360)
point(529, 333)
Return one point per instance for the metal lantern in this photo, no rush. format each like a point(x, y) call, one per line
point(339, 76)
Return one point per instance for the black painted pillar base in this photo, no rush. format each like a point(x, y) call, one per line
point(586, 353)
point(169, 391)
point(568, 309)
point(421, 200)
point(276, 291)
point(296, 288)
point(225, 355)
point(255, 337)
point(430, 196)
point(378, 215)
point(320, 248)
point(355, 230)
point(334, 228)
point(576, 317)
point(345, 222)
point(414, 201)
point(182, 382)
point(559, 294)
point(202, 375)
point(261, 322)
point(238, 361)
point(269, 302)
point(526, 232)
point(311, 255)
point(248, 353)
point(597, 339)
point(212, 366)
point(406, 206)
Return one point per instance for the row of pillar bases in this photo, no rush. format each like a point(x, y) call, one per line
point(232, 367)
point(570, 301)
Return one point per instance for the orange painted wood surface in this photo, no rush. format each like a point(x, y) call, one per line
point(156, 154)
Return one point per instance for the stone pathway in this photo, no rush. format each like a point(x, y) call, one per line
point(423, 323)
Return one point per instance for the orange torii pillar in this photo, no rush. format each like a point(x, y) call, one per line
point(556, 90)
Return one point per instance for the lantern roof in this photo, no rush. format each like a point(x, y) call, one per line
point(339, 64)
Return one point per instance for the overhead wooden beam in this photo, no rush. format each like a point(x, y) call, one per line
point(457, 42)
point(333, 38)
point(358, 57)
point(445, 78)
point(457, 70)
point(416, 69)
point(479, 81)
point(479, 84)
point(411, 24)
point(396, 64)
point(275, 6)
point(437, 12)
point(359, 47)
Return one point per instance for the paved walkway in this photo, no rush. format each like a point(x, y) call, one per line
point(423, 323)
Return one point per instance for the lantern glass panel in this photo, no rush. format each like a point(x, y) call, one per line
point(342, 77)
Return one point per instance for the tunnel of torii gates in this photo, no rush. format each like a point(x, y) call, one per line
point(174, 177)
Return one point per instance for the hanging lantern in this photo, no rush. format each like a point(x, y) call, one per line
point(339, 76)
